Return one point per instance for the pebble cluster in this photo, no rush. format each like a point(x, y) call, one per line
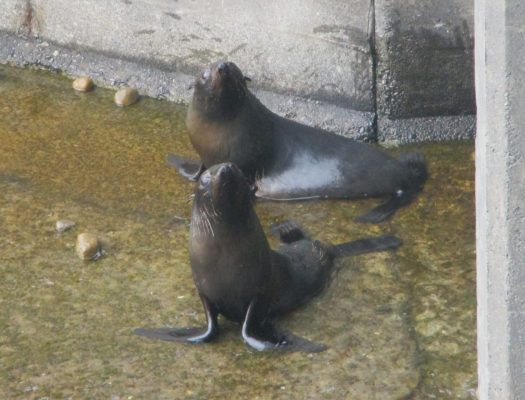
point(88, 246)
point(125, 96)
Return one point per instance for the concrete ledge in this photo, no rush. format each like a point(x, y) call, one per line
point(422, 129)
point(157, 82)
point(386, 70)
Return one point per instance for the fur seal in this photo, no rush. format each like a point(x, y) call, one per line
point(239, 276)
point(287, 160)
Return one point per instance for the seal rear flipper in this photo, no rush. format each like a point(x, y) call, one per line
point(188, 168)
point(288, 232)
point(386, 210)
point(367, 245)
point(263, 336)
point(416, 176)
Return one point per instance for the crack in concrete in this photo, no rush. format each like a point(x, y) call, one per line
point(28, 27)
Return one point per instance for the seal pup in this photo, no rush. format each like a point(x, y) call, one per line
point(287, 160)
point(239, 276)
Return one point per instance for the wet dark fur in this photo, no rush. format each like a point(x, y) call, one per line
point(239, 276)
point(227, 123)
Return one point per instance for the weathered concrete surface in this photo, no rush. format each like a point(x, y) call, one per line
point(310, 60)
point(394, 132)
point(425, 68)
point(172, 85)
point(500, 189)
point(274, 43)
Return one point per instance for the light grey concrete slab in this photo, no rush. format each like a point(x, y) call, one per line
point(500, 190)
point(313, 48)
point(13, 15)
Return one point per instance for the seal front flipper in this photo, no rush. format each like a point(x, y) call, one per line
point(190, 335)
point(288, 232)
point(189, 169)
point(263, 336)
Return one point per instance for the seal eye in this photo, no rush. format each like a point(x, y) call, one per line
point(205, 180)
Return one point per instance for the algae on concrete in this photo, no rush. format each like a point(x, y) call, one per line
point(396, 324)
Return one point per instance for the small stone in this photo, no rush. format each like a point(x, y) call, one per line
point(83, 84)
point(126, 96)
point(64, 225)
point(88, 247)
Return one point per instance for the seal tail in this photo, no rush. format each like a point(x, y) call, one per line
point(367, 245)
point(413, 183)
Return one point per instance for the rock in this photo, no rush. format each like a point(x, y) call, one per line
point(83, 84)
point(64, 225)
point(126, 96)
point(88, 247)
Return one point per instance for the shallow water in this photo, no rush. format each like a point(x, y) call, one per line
point(398, 325)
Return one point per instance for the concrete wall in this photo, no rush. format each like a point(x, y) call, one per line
point(425, 64)
point(313, 60)
point(500, 190)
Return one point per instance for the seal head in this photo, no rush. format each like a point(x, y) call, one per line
point(224, 191)
point(220, 91)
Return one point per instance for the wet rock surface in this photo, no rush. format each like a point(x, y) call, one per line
point(83, 84)
point(397, 325)
point(88, 247)
point(126, 97)
point(64, 225)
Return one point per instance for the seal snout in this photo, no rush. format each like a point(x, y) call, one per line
point(226, 174)
point(225, 169)
point(222, 68)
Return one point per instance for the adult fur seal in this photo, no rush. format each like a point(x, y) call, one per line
point(285, 159)
point(239, 276)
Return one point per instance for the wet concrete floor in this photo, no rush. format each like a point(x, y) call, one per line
point(399, 325)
